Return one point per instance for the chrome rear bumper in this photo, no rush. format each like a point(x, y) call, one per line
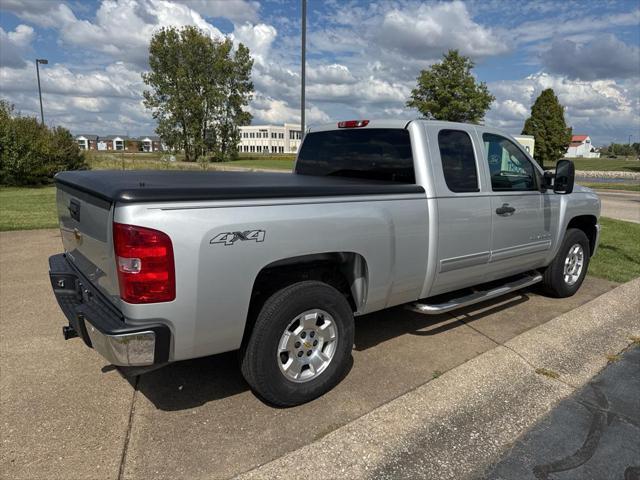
point(101, 325)
point(128, 349)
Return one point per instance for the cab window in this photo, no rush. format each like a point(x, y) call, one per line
point(509, 167)
point(458, 161)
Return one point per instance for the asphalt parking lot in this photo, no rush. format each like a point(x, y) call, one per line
point(67, 414)
point(594, 433)
point(621, 205)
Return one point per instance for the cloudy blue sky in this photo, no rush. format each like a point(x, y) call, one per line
point(363, 57)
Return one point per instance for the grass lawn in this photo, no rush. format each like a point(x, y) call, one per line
point(160, 161)
point(627, 164)
point(268, 163)
point(618, 256)
point(27, 208)
point(612, 186)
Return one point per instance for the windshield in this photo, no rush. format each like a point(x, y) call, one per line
point(371, 153)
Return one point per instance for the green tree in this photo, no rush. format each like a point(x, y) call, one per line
point(621, 149)
point(31, 153)
point(448, 91)
point(548, 127)
point(199, 88)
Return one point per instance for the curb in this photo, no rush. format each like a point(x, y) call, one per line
point(457, 425)
point(623, 193)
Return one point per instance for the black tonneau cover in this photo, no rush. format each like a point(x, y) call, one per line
point(171, 185)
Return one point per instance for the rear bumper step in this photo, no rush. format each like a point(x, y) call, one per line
point(475, 297)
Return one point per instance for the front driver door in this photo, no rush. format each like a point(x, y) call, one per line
point(519, 241)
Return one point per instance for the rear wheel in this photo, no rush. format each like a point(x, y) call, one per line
point(565, 274)
point(300, 345)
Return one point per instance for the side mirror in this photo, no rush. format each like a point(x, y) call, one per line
point(547, 180)
point(565, 176)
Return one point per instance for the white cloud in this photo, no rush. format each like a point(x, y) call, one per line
point(333, 73)
point(269, 110)
point(22, 36)
point(429, 30)
point(45, 13)
point(123, 29)
point(258, 38)
point(605, 57)
point(378, 49)
point(234, 10)
point(550, 27)
point(116, 80)
point(102, 100)
point(601, 108)
point(14, 44)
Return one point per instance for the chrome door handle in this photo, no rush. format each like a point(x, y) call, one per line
point(505, 210)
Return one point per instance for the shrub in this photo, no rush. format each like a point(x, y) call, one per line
point(31, 153)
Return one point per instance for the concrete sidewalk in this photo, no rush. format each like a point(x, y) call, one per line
point(460, 424)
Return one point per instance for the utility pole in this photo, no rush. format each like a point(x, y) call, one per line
point(39, 61)
point(303, 69)
point(630, 139)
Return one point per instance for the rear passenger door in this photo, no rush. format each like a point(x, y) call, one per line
point(519, 241)
point(464, 218)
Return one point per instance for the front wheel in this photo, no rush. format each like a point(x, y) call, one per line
point(563, 277)
point(300, 345)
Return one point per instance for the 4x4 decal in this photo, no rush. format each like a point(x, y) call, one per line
point(229, 238)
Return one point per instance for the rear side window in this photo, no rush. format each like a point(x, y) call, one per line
point(371, 153)
point(458, 161)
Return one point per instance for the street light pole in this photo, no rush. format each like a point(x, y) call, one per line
point(39, 61)
point(304, 61)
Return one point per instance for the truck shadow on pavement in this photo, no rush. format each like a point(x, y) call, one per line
point(192, 383)
point(377, 328)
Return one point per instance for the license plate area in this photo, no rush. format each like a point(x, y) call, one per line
point(66, 284)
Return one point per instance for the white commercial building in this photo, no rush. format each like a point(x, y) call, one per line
point(527, 141)
point(270, 138)
point(580, 147)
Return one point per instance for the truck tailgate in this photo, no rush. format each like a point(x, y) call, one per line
point(86, 229)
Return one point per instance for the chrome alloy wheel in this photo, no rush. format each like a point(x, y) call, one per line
point(573, 264)
point(307, 346)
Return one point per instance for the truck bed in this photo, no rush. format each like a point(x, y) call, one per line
point(167, 186)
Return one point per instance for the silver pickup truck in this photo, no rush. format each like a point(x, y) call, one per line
point(164, 266)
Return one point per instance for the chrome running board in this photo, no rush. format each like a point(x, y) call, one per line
point(475, 297)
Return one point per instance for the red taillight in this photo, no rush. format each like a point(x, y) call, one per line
point(353, 123)
point(144, 259)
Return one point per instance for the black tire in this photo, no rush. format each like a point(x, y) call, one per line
point(553, 279)
point(259, 356)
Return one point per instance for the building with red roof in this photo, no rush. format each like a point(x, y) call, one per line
point(580, 147)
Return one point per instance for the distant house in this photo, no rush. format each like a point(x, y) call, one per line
point(87, 142)
point(112, 142)
point(580, 147)
point(151, 144)
point(147, 143)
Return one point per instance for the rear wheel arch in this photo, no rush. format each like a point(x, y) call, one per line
point(347, 272)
